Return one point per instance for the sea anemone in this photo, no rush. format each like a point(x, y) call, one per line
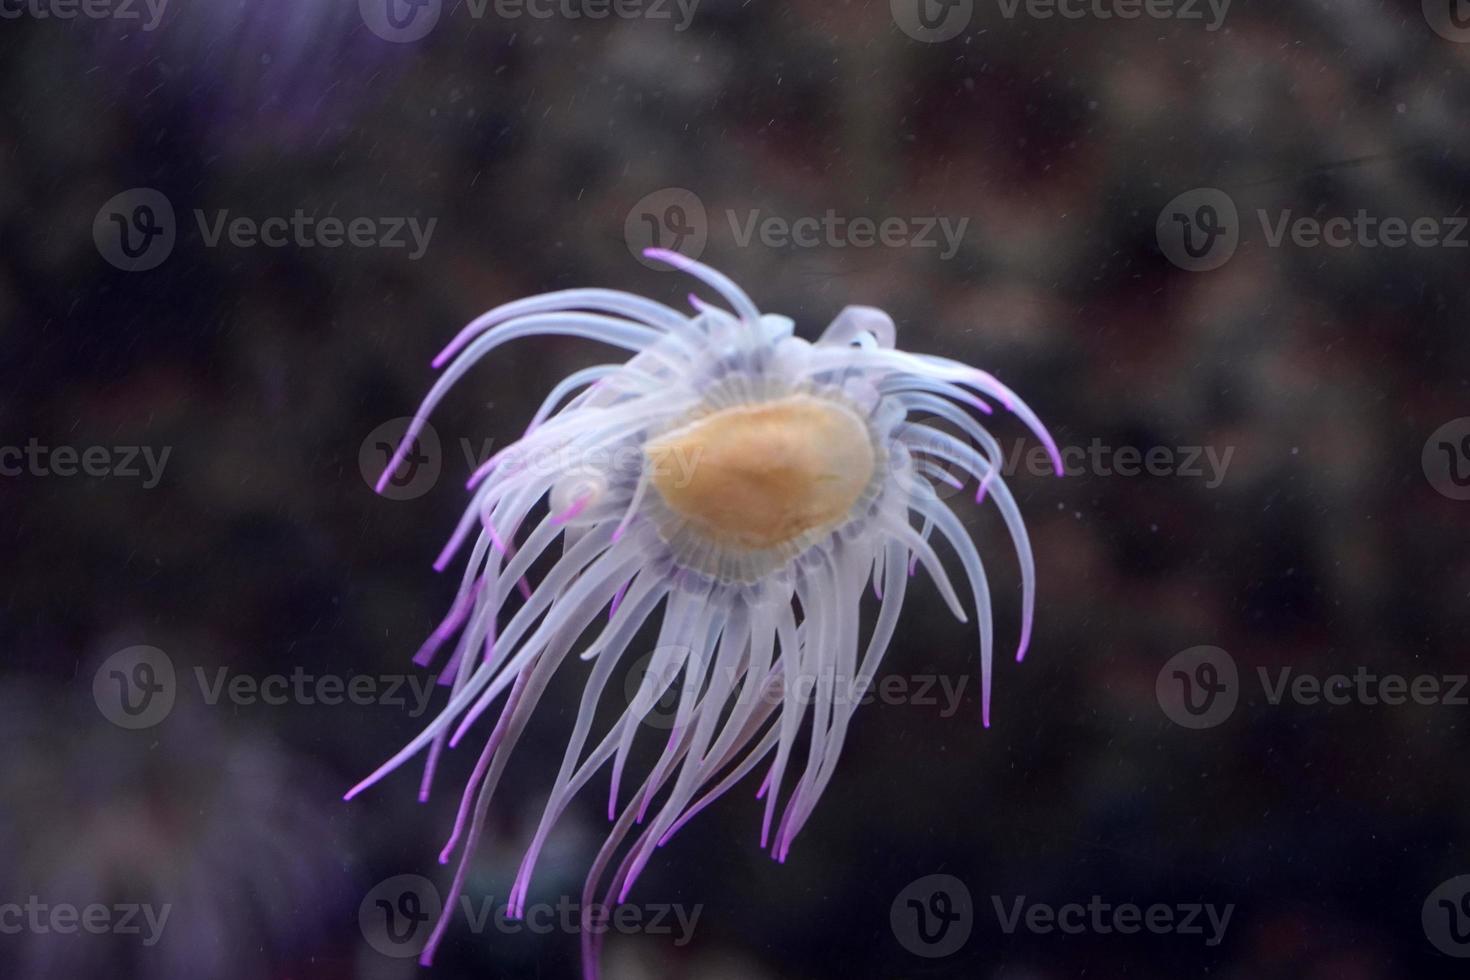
point(749, 483)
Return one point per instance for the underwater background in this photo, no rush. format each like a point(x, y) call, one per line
point(1220, 247)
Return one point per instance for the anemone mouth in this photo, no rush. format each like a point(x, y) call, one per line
point(741, 489)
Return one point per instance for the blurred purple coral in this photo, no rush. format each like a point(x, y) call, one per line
point(254, 73)
point(203, 830)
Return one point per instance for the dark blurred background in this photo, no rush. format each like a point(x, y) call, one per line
point(1268, 433)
